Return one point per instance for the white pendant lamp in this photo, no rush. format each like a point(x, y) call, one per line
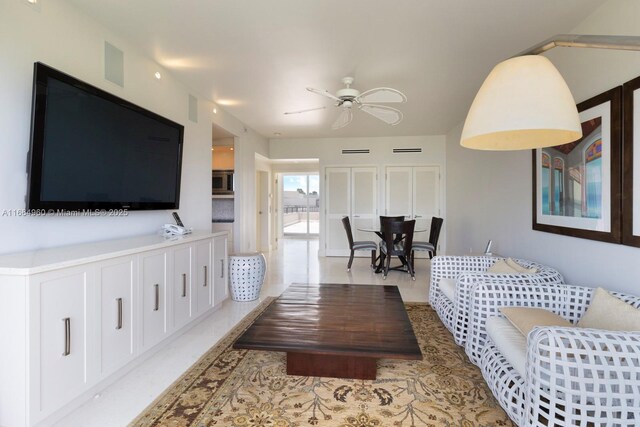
point(523, 104)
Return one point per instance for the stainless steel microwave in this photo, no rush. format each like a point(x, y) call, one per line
point(222, 182)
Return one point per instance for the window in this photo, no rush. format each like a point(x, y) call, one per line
point(546, 178)
point(558, 186)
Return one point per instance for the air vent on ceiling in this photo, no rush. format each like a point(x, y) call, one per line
point(407, 150)
point(359, 151)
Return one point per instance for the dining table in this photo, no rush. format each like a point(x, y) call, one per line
point(378, 231)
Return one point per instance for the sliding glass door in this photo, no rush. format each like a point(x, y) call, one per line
point(300, 204)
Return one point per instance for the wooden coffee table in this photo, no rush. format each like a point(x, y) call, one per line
point(334, 330)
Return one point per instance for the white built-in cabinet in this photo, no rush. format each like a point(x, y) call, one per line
point(352, 192)
point(75, 316)
point(413, 191)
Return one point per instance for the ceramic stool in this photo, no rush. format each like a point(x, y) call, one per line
point(247, 275)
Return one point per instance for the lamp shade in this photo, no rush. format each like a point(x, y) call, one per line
point(524, 103)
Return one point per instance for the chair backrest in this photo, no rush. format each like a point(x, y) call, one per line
point(384, 219)
point(434, 233)
point(347, 227)
point(393, 229)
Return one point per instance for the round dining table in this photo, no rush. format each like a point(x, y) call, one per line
point(378, 232)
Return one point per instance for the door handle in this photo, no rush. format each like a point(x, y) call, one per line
point(356, 216)
point(222, 268)
point(119, 304)
point(157, 303)
point(205, 276)
point(67, 336)
point(417, 216)
point(184, 285)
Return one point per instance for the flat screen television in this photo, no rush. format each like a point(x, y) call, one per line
point(91, 150)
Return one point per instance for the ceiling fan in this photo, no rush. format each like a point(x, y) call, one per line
point(348, 98)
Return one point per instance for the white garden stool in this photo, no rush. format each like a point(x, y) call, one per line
point(247, 275)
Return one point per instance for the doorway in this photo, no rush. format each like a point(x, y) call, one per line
point(300, 205)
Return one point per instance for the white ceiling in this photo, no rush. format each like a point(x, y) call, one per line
point(256, 57)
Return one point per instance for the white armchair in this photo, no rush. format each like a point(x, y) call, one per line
point(573, 376)
point(467, 271)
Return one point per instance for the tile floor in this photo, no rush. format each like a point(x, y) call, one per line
point(296, 260)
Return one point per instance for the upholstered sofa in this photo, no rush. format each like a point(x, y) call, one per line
point(555, 376)
point(451, 299)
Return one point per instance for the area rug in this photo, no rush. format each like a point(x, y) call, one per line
point(243, 388)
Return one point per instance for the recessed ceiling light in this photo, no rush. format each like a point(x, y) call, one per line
point(32, 1)
point(231, 148)
point(158, 75)
point(215, 111)
point(277, 133)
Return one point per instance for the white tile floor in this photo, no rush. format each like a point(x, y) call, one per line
point(296, 260)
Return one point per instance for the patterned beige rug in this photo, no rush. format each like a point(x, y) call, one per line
point(241, 388)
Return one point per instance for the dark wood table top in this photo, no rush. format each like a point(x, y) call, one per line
point(335, 319)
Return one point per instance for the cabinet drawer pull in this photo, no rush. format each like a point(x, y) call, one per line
point(205, 276)
point(184, 285)
point(157, 304)
point(221, 268)
point(119, 304)
point(67, 336)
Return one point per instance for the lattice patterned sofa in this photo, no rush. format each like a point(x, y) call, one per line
point(467, 271)
point(572, 376)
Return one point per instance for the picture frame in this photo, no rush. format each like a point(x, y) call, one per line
point(577, 186)
point(631, 163)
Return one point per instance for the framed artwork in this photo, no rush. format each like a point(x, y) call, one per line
point(631, 164)
point(576, 186)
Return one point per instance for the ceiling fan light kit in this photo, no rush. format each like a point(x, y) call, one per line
point(525, 103)
point(347, 98)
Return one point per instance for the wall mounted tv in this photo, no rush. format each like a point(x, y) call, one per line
point(92, 150)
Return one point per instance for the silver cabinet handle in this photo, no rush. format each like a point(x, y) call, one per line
point(222, 268)
point(119, 304)
point(157, 305)
point(184, 285)
point(205, 276)
point(67, 336)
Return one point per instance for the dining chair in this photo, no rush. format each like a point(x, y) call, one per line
point(391, 246)
point(432, 245)
point(384, 219)
point(358, 246)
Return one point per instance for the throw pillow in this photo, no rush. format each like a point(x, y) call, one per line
point(610, 313)
point(526, 318)
point(501, 267)
point(520, 269)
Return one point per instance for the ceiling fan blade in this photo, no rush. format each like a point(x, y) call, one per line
point(343, 119)
point(388, 115)
point(323, 93)
point(304, 111)
point(382, 94)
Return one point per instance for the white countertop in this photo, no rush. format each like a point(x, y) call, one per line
point(41, 260)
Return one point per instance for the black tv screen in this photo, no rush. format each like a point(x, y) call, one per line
point(92, 150)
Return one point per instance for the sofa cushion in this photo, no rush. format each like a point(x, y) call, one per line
point(509, 341)
point(448, 288)
point(501, 267)
point(610, 313)
point(526, 318)
point(519, 268)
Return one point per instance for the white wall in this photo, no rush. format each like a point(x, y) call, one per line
point(329, 153)
point(489, 193)
point(57, 34)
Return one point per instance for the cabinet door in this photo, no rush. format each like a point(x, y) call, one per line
point(116, 279)
point(202, 285)
point(62, 357)
point(220, 270)
point(426, 198)
point(338, 205)
point(153, 282)
point(181, 286)
point(364, 202)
